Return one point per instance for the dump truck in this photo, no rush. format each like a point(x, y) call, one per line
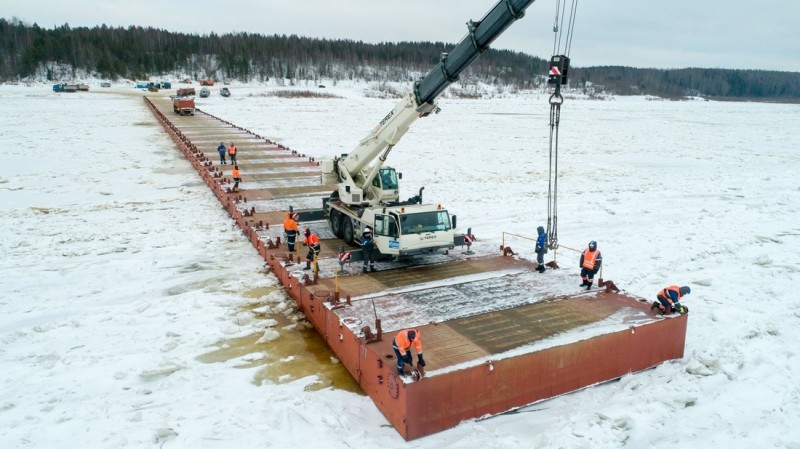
point(183, 105)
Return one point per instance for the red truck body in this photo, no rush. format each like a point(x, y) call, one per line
point(183, 105)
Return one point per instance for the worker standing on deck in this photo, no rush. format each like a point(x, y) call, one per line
point(312, 242)
point(368, 249)
point(591, 260)
point(236, 178)
point(669, 300)
point(222, 150)
point(402, 348)
point(232, 153)
point(290, 229)
point(541, 248)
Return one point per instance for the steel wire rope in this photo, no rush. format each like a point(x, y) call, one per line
point(556, 99)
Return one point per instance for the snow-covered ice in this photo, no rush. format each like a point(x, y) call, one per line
point(131, 305)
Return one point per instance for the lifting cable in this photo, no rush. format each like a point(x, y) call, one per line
point(559, 66)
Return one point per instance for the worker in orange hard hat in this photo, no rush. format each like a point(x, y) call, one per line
point(312, 242)
point(402, 348)
point(290, 229)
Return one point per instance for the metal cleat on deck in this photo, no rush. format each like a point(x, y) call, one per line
point(609, 285)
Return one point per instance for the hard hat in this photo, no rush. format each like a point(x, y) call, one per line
point(685, 290)
point(367, 230)
point(592, 245)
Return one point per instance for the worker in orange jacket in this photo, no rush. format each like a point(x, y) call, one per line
point(591, 260)
point(291, 231)
point(402, 348)
point(237, 178)
point(312, 242)
point(232, 153)
point(669, 300)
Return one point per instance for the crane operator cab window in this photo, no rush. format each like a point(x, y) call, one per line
point(386, 179)
point(438, 220)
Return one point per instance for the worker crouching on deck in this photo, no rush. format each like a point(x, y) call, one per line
point(669, 300)
point(591, 260)
point(402, 348)
point(312, 242)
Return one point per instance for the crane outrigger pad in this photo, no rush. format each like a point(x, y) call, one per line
point(497, 334)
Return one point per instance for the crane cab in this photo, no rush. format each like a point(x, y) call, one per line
point(386, 186)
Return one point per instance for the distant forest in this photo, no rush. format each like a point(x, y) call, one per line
point(29, 52)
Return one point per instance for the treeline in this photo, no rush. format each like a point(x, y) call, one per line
point(32, 52)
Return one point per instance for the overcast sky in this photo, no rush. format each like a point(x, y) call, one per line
point(638, 33)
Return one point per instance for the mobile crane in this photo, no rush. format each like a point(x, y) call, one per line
point(368, 195)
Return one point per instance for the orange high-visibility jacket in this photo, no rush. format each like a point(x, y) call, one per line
point(664, 293)
point(289, 224)
point(404, 344)
point(312, 240)
point(232, 149)
point(235, 173)
point(590, 258)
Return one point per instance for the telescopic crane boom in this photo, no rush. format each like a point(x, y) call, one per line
point(367, 193)
point(353, 172)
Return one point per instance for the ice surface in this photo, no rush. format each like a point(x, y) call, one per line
point(120, 269)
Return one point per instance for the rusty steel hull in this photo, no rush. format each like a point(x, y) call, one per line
point(497, 336)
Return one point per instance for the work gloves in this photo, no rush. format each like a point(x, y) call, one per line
point(421, 361)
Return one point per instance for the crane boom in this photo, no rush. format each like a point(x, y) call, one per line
point(353, 175)
point(367, 193)
point(480, 35)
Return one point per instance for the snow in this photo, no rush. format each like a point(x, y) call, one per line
point(132, 305)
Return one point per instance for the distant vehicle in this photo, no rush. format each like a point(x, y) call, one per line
point(105, 84)
point(185, 92)
point(204, 92)
point(166, 85)
point(186, 81)
point(183, 105)
point(63, 87)
point(143, 85)
point(225, 92)
point(206, 82)
point(321, 86)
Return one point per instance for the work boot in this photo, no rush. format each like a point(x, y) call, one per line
point(589, 285)
point(372, 269)
point(308, 266)
point(583, 284)
point(541, 269)
point(656, 306)
point(364, 269)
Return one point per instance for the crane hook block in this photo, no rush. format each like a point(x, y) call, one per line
point(559, 66)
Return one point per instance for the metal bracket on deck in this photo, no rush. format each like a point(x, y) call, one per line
point(609, 285)
point(369, 337)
